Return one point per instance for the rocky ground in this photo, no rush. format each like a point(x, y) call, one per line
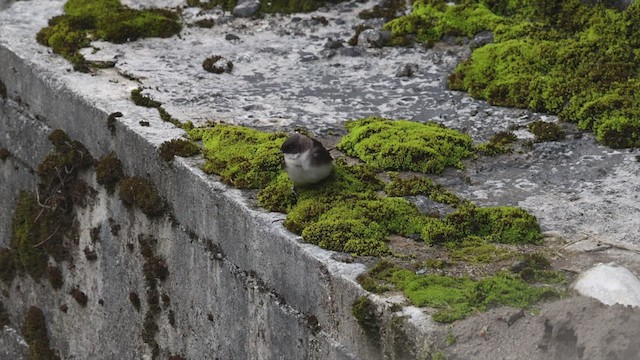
point(298, 71)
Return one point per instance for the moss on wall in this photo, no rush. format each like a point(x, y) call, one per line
point(109, 20)
point(36, 336)
point(141, 193)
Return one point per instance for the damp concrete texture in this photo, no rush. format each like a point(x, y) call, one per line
point(263, 293)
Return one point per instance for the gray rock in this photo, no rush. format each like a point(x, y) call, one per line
point(327, 53)
point(246, 8)
point(374, 38)
point(350, 51)
point(339, 21)
point(231, 37)
point(481, 39)
point(307, 56)
point(407, 70)
point(333, 44)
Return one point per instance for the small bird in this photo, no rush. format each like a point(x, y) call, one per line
point(306, 160)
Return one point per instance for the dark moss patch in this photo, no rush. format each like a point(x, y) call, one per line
point(4, 317)
point(111, 121)
point(243, 157)
point(145, 101)
point(498, 144)
point(3, 90)
point(64, 308)
point(176, 357)
point(171, 317)
point(90, 255)
point(4, 154)
point(109, 171)
point(178, 147)
point(54, 274)
point(501, 224)
point(149, 331)
point(546, 131)
point(8, 268)
point(405, 145)
point(366, 312)
point(166, 300)
point(36, 336)
point(105, 20)
point(217, 64)
point(79, 296)
point(141, 193)
point(567, 58)
point(135, 300)
point(205, 23)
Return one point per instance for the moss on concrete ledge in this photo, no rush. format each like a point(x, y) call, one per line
point(109, 20)
point(109, 171)
point(366, 312)
point(36, 336)
point(178, 147)
point(405, 145)
point(267, 6)
point(243, 157)
point(456, 297)
point(568, 58)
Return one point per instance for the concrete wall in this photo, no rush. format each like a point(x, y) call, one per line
point(240, 285)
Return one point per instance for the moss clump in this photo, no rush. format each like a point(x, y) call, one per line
point(387, 9)
point(4, 317)
point(546, 131)
point(405, 145)
point(109, 20)
point(4, 154)
point(457, 297)
point(498, 144)
point(141, 193)
point(243, 157)
point(145, 101)
point(111, 121)
point(569, 58)
point(535, 268)
point(54, 274)
point(8, 267)
point(178, 147)
point(217, 64)
point(109, 171)
point(79, 296)
point(501, 224)
point(366, 312)
point(421, 186)
point(36, 336)
point(476, 250)
point(135, 300)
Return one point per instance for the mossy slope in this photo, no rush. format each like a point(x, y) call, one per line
point(105, 20)
point(578, 61)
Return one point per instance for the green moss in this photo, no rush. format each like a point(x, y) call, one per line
point(243, 157)
point(546, 131)
point(405, 145)
point(498, 144)
point(8, 267)
point(178, 147)
point(535, 268)
point(111, 121)
point(476, 250)
point(387, 9)
point(108, 20)
point(366, 312)
point(143, 100)
point(457, 297)
point(109, 171)
point(568, 58)
point(141, 193)
point(421, 186)
point(36, 336)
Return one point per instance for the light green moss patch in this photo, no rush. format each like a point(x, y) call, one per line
point(105, 20)
point(243, 157)
point(568, 58)
point(405, 145)
point(421, 186)
point(457, 297)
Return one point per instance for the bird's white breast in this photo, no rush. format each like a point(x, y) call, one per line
point(301, 172)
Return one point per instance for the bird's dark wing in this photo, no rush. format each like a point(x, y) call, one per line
point(320, 154)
